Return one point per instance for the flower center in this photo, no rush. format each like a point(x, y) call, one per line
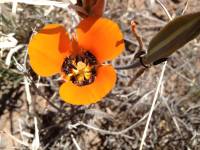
point(81, 69)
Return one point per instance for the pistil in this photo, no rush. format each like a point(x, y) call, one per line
point(81, 69)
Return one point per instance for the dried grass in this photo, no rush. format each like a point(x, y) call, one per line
point(34, 117)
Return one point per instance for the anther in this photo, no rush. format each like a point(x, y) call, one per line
point(81, 69)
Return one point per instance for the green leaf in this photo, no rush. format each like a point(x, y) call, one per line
point(173, 36)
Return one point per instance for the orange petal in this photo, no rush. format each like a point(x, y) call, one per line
point(47, 49)
point(88, 94)
point(100, 36)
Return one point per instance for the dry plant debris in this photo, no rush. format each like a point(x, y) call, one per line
point(34, 117)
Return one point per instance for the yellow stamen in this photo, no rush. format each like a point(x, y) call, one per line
point(87, 68)
point(81, 70)
point(81, 65)
point(80, 77)
point(88, 75)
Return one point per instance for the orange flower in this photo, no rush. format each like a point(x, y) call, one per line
point(79, 60)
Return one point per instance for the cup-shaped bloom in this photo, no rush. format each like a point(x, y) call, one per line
point(78, 60)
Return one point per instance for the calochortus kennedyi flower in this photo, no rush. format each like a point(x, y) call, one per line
point(78, 60)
